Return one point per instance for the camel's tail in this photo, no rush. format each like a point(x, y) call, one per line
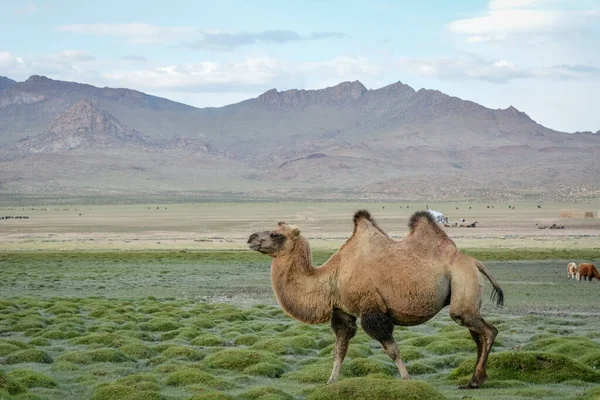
point(497, 294)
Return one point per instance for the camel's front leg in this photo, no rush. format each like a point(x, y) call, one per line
point(381, 327)
point(344, 326)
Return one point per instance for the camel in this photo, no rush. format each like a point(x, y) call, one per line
point(382, 281)
point(572, 270)
point(588, 271)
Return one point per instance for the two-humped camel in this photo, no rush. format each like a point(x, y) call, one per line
point(382, 281)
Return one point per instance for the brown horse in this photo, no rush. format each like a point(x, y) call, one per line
point(588, 271)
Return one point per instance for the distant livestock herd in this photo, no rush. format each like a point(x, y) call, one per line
point(14, 217)
point(586, 270)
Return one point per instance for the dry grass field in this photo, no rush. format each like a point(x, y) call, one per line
point(211, 226)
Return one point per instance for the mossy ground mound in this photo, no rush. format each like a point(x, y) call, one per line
point(138, 351)
point(208, 340)
point(75, 357)
point(31, 379)
point(10, 385)
point(184, 352)
point(122, 392)
point(317, 372)
point(7, 348)
point(361, 367)
point(189, 376)
point(291, 345)
point(268, 369)
point(575, 347)
point(376, 389)
point(530, 367)
point(238, 359)
point(108, 355)
point(29, 356)
point(264, 392)
point(213, 396)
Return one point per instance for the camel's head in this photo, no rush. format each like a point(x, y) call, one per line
point(277, 242)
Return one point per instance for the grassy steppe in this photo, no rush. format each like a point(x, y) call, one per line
point(205, 325)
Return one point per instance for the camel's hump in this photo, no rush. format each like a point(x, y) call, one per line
point(360, 214)
point(422, 217)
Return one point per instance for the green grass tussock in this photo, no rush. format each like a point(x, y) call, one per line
point(32, 379)
point(238, 359)
point(420, 368)
point(7, 348)
point(184, 352)
point(29, 356)
point(40, 342)
point(442, 347)
point(75, 357)
point(361, 367)
point(267, 369)
point(104, 339)
point(530, 367)
point(122, 392)
point(590, 394)
point(213, 396)
point(376, 389)
point(575, 347)
point(189, 376)
point(108, 355)
point(160, 325)
point(264, 392)
point(208, 340)
point(289, 345)
point(10, 385)
point(317, 372)
point(246, 340)
point(138, 351)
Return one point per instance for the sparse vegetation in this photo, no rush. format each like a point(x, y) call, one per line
point(149, 342)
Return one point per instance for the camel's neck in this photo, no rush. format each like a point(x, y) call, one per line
point(303, 291)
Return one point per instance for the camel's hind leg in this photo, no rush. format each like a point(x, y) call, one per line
point(465, 303)
point(381, 327)
point(344, 326)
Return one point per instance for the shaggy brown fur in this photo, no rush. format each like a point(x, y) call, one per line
point(383, 281)
point(588, 272)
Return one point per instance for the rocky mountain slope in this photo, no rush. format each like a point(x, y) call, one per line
point(346, 140)
point(5, 83)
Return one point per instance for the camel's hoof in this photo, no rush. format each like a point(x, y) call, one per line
point(406, 378)
point(467, 387)
point(330, 381)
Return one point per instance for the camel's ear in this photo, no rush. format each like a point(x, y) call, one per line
point(295, 231)
point(281, 223)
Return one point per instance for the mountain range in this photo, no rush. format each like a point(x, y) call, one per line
point(344, 141)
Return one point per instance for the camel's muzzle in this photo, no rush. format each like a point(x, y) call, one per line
point(255, 242)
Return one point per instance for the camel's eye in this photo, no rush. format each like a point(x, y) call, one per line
point(275, 235)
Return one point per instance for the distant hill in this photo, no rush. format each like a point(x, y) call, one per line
point(336, 142)
point(5, 83)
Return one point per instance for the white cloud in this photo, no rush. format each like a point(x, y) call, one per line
point(253, 71)
point(10, 62)
point(135, 32)
point(503, 4)
point(227, 41)
point(508, 19)
point(342, 68)
point(28, 8)
point(73, 56)
point(499, 71)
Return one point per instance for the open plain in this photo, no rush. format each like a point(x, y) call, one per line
point(164, 301)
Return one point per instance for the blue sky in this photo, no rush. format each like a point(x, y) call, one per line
point(541, 56)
